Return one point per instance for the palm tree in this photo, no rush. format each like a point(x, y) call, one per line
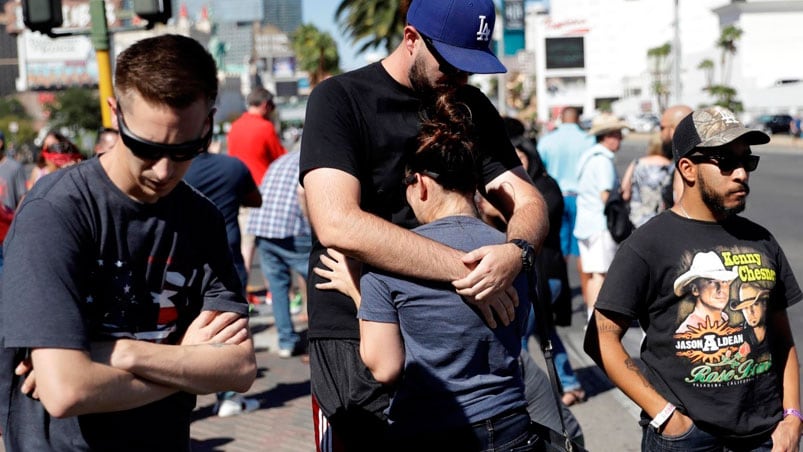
point(660, 73)
point(379, 23)
point(707, 66)
point(727, 44)
point(316, 52)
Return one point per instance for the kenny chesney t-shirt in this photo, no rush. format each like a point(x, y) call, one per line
point(682, 278)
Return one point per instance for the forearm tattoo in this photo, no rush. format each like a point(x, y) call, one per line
point(631, 365)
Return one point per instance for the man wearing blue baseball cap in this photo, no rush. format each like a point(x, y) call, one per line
point(360, 129)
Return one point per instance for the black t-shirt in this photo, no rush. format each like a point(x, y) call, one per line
point(365, 123)
point(694, 361)
point(225, 181)
point(84, 262)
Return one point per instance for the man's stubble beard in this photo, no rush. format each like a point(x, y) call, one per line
point(716, 202)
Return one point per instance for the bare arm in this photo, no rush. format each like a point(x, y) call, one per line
point(372, 240)
point(627, 182)
point(382, 350)
point(216, 354)
point(786, 436)
point(369, 238)
point(603, 343)
point(497, 266)
point(341, 273)
point(69, 383)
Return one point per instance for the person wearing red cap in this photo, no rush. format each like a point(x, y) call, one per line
point(689, 276)
point(359, 131)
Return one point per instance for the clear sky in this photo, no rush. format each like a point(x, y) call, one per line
point(321, 13)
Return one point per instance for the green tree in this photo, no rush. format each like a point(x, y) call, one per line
point(378, 22)
point(727, 46)
point(725, 95)
point(659, 70)
point(10, 106)
point(75, 109)
point(707, 66)
point(13, 112)
point(316, 52)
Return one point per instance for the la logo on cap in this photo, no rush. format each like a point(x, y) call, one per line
point(484, 33)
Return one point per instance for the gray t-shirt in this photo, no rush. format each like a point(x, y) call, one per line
point(457, 370)
point(83, 263)
point(12, 182)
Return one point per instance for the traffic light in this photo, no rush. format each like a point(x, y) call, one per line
point(42, 15)
point(153, 10)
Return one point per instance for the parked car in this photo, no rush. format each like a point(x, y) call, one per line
point(771, 124)
point(645, 123)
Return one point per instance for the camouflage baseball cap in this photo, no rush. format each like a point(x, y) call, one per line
point(711, 127)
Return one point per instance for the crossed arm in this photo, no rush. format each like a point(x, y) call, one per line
point(215, 354)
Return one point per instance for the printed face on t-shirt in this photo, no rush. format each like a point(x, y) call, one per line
point(712, 293)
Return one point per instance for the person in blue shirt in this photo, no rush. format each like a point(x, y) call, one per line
point(560, 151)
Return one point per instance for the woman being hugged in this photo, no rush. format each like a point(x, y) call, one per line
point(457, 382)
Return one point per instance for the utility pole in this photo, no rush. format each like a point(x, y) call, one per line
point(676, 85)
point(45, 15)
point(100, 41)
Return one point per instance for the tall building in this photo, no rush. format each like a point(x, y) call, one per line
point(285, 14)
point(9, 67)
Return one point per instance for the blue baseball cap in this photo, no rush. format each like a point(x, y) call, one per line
point(460, 30)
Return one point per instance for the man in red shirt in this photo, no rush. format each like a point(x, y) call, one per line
point(253, 137)
point(253, 140)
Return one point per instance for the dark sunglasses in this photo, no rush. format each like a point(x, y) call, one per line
point(149, 150)
point(444, 66)
point(728, 163)
point(62, 148)
point(412, 178)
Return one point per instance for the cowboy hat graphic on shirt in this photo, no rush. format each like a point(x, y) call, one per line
point(704, 265)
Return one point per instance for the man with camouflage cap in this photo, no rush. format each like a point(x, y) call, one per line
point(700, 388)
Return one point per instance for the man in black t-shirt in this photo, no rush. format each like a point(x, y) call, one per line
point(120, 301)
point(688, 275)
point(360, 128)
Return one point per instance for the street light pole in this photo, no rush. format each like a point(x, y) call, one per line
point(100, 41)
point(676, 85)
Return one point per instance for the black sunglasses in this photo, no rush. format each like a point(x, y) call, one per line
point(728, 163)
point(149, 150)
point(444, 66)
point(62, 148)
point(412, 178)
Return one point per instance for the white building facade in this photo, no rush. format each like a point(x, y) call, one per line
point(591, 54)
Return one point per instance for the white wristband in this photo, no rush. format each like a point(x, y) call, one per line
point(661, 418)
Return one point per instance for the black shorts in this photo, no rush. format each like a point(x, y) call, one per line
point(347, 394)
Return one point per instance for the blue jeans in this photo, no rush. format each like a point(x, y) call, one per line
point(277, 258)
point(696, 440)
point(509, 432)
point(568, 243)
point(568, 380)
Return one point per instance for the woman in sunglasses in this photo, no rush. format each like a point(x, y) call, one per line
point(57, 152)
point(453, 376)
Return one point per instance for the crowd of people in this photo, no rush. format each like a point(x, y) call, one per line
point(419, 217)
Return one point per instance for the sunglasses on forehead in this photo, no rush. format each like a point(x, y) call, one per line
point(149, 150)
point(728, 163)
point(444, 66)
